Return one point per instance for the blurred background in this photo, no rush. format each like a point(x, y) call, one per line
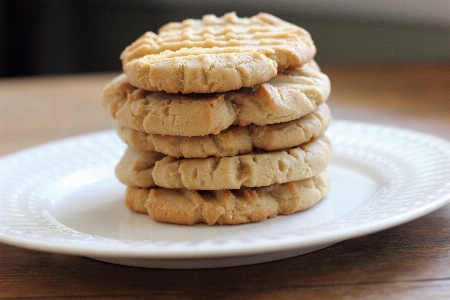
point(45, 37)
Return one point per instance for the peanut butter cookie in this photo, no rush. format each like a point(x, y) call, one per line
point(216, 54)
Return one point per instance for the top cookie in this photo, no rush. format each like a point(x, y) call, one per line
point(216, 54)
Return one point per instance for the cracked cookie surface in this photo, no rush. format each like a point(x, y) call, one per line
point(216, 54)
point(135, 167)
point(288, 96)
point(234, 140)
point(247, 170)
point(245, 205)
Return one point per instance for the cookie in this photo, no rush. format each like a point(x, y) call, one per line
point(288, 96)
point(234, 140)
point(138, 140)
point(249, 170)
point(115, 94)
point(136, 167)
point(200, 70)
point(188, 207)
point(136, 199)
point(216, 54)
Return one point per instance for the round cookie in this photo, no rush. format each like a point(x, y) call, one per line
point(216, 54)
point(148, 169)
point(200, 70)
point(234, 140)
point(188, 207)
point(248, 170)
point(288, 96)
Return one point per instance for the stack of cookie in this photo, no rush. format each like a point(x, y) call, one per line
point(224, 119)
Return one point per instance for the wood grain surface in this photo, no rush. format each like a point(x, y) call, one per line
point(411, 261)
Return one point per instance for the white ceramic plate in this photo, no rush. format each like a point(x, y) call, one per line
point(63, 197)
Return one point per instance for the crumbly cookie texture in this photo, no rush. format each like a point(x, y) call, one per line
point(138, 140)
point(136, 167)
point(288, 96)
point(235, 140)
point(188, 207)
point(216, 54)
point(248, 170)
point(115, 94)
point(202, 71)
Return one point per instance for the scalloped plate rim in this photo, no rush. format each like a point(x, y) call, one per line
point(263, 246)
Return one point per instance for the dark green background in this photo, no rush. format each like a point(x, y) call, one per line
point(78, 36)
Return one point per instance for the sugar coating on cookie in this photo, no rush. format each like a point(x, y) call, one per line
point(216, 54)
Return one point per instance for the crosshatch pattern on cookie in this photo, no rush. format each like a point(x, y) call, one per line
point(227, 31)
point(229, 39)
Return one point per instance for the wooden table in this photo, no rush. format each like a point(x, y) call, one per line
point(408, 261)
